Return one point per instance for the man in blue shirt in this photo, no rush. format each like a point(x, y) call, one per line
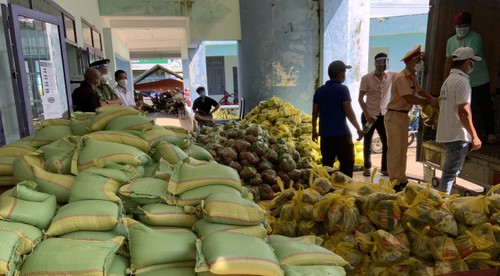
point(332, 104)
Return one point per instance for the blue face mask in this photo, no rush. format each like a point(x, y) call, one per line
point(203, 94)
point(462, 31)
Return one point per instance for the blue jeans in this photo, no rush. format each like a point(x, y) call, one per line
point(455, 156)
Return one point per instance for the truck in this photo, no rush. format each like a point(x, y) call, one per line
point(481, 167)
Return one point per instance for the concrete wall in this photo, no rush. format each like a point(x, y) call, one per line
point(209, 19)
point(279, 51)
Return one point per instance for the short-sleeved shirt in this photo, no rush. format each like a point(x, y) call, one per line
point(125, 96)
point(85, 99)
point(378, 91)
point(480, 74)
point(404, 84)
point(205, 105)
point(105, 92)
point(332, 118)
point(456, 90)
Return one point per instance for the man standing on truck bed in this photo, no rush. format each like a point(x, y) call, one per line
point(455, 128)
point(405, 93)
point(376, 86)
point(479, 78)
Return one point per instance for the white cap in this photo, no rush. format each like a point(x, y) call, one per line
point(465, 53)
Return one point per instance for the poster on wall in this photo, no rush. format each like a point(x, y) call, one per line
point(52, 108)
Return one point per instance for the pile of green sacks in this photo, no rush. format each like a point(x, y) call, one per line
point(111, 193)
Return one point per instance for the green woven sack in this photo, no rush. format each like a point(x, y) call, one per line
point(131, 122)
point(16, 149)
point(82, 116)
point(177, 269)
point(305, 253)
point(145, 190)
point(26, 205)
point(58, 154)
point(7, 180)
point(9, 241)
point(71, 257)
point(100, 236)
point(204, 228)
point(22, 166)
point(87, 215)
point(118, 172)
point(177, 245)
point(106, 115)
point(187, 177)
point(93, 150)
point(196, 196)
point(218, 254)
point(81, 127)
point(119, 266)
point(30, 235)
point(55, 122)
point(199, 153)
point(307, 270)
point(165, 215)
point(7, 166)
point(55, 184)
point(174, 135)
point(150, 169)
point(49, 134)
point(164, 170)
point(121, 137)
point(170, 152)
point(89, 186)
point(228, 209)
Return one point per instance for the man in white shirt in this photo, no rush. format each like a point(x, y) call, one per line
point(376, 86)
point(455, 128)
point(126, 96)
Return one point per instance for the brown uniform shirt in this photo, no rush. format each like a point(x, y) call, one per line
point(405, 83)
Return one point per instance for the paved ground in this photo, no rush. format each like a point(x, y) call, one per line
point(413, 168)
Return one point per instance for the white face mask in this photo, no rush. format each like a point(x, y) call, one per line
point(122, 83)
point(419, 67)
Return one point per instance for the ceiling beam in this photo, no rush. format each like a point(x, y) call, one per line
point(146, 23)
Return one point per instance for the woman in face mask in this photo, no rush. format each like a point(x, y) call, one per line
point(126, 96)
point(479, 77)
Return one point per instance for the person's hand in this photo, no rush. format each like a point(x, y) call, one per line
point(476, 144)
point(361, 134)
point(315, 136)
point(434, 102)
point(371, 119)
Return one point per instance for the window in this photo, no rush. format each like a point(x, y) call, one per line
point(69, 28)
point(216, 76)
point(91, 37)
point(50, 7)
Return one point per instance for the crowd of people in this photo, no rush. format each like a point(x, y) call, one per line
point(387, 97)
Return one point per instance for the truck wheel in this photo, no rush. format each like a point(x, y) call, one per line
point(435, 182)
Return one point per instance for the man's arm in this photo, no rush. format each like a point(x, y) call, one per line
point(371, 119)
point(447, 67)
point(465, 116)
point(428, 99)
point(352, 118)
point(315, 112)
point(215, 109)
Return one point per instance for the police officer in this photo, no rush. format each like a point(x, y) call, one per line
point(105, 92)
point(404, 94)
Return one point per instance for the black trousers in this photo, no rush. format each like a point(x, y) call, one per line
point(340, 147)
point(367, 142)
point(481, 102)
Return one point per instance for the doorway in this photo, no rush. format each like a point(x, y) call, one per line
point(39, 66)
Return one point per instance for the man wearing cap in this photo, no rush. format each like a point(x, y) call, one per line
point(479, 77)
point(106, 94)
point(332, 104)
point(455, 128)
point(376, 87)
point(405, 93)
point(85, 99)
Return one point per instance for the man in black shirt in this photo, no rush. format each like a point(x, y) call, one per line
point(85, 99)
point(202, 108)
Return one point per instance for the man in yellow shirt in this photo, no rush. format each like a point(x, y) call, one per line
point(404, 94)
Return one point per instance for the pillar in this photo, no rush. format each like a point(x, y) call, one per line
point(279, 51)
point(197, 69)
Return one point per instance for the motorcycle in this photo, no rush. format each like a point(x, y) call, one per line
point(225, 99)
